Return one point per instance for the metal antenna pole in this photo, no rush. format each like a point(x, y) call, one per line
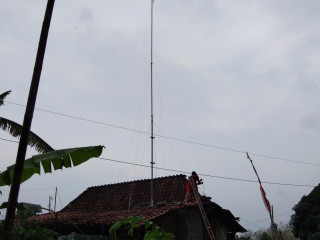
point(152, 135)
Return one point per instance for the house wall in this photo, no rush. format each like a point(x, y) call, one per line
point(195, 224)
point(185, 224)
point(181, 225)
point(219, 229)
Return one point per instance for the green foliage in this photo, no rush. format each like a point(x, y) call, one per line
point(306, 219)
point(264, 236)
point(156, 233)
point(25, 231)
point(314, 236)
point(34, 233)
point(59, 159)
point(286, 232)
point(153, 232)
point(284, 229)
point(130, 223)
point(15, 129)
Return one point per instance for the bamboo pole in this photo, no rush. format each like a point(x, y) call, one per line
point(272, 223)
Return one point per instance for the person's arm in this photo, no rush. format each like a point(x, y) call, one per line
point(200, 182)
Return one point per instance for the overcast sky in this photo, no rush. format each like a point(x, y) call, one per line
point(238, 75)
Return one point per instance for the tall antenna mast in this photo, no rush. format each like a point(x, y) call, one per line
point(151, 76)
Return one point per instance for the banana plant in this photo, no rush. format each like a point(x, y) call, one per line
point(56, 159)
point(15, 130)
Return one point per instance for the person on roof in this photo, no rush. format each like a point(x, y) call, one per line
point(195, 178)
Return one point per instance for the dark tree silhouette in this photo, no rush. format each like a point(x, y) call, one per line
point(306, 219)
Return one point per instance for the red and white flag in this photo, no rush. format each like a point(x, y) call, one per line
point(263, 193)
point(265, 200)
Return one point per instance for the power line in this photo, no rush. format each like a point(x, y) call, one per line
point(84, 119)
point(238, 151)
point(251, 223)
point(206, 175)
point(31, 190)
point(168, 137)
point(265, 219)
point(9, 140)
point(59, 200)
point(202, 174)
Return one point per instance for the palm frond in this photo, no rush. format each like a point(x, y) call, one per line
point(3, 96)
point(34, 140)
point(58, 159)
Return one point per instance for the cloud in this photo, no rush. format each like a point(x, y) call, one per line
point(86, 15)
point(312, 121)
point(238, 74)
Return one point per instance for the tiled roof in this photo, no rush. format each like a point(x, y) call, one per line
point(108, 217)
point(121, 195)
point(108, 204)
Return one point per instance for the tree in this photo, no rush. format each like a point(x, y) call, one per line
point(286, 232)
point(24, 230)
point(15, 129)
point(34, 140)
point(306, 219)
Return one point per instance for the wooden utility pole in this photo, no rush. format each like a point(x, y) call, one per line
point(22, 149)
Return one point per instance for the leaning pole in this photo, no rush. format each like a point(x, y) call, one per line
point(22, 149)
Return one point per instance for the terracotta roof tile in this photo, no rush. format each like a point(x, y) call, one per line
point(136, 193)
point(108, 204)
point(108, 217)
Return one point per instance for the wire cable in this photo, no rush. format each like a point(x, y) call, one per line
point(168, 137)
point(59, 200)
point(203, 174)
point(207, 175)
point(251, 223)
point(265, 219)
point(32, 190)
point(9, 140)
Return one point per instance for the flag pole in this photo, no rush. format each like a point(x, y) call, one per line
point(263, 193)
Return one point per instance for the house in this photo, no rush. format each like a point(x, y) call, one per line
point(97, 208)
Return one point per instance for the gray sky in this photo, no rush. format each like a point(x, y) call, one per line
point(240, 75)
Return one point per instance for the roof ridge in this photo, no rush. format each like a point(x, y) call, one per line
point(136, 181)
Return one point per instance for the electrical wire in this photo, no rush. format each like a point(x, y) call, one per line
point(8, 140)
point(168, 137)
point(59, 200)
point(207, 175)
point(251, 223)
point(31, 190)
point(265, 219)
point(203, 174)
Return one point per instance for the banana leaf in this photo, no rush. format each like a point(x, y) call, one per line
point(34, 140)
point(58, 159)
